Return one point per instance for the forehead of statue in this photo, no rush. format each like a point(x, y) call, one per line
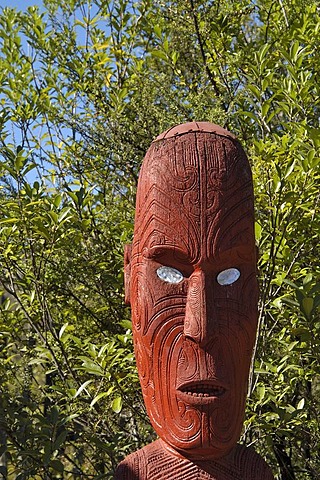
point(194, 194)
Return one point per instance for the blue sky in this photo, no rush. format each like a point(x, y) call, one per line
point(19, 4)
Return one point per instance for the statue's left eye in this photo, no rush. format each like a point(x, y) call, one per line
point(228, 277)
point(169, 275)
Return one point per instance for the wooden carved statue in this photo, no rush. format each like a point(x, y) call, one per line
point(191, 281)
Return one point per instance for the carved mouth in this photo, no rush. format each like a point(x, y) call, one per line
point(205, 390)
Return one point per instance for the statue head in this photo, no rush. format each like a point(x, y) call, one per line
point(191, 282)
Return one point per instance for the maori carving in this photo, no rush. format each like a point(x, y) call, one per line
point(191, 281)
point(156, 462)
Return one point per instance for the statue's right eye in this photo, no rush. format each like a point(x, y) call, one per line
point(169, 274)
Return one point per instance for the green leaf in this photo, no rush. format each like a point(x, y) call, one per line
point(289, 170)
point(160, 54)
point(8, 220)
point(57, 200)
point(42, 230)
point(261, 391)
point(62, 330)
point(307, 306)
point(257, 231)
point(53, 215)
point(127, 324)
point(57, 465)
point(60, 440)
point(263, 52)
point(98, 397)
point(265, 108)
point(157, 31)
point(117, 405)
point(82, 387)
point(307, 279)
point(290, 301)
point(255, 90)
point(64, 214)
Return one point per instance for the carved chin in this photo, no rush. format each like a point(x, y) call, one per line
point(204, 427)
point(195, 410)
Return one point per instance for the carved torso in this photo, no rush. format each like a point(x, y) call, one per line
point(155, 462)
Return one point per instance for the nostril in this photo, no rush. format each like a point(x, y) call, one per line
point(192, 329)
point(191, 339)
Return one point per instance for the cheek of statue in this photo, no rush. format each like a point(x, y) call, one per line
point(194, 396)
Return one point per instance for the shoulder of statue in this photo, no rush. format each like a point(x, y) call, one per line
point(252, 465)
point(130, 467)
point(135, 465)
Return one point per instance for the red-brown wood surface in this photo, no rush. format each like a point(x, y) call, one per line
point(155, 462)
point(193, 331)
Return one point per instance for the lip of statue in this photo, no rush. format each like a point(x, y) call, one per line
point(201, 391)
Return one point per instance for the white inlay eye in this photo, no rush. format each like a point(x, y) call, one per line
point(229, 276)
point(169, 275)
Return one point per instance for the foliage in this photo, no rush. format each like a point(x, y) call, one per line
point(84, 87)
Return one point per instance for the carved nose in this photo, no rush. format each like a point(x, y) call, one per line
point(199, 317)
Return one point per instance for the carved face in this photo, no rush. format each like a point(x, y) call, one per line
point(193, 290)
